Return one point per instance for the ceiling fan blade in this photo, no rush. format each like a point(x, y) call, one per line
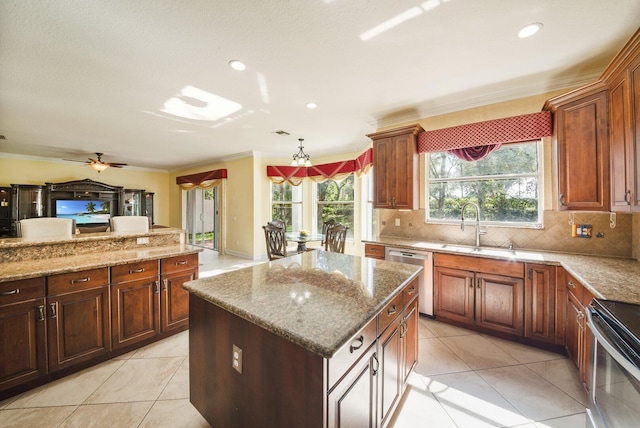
point(74, 160)
point(116, 164)
point(94, 161)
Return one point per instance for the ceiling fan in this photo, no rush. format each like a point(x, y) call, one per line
point(100, 165)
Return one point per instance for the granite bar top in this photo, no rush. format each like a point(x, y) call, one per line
point(11, 271)
point(317, 300)
point(608, 278)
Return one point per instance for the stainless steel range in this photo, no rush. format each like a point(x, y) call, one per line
point(614, 396)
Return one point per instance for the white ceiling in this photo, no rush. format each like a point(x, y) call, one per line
point(78, 77)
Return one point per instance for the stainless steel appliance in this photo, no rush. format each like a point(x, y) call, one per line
point(421, 258)
point(614, 396)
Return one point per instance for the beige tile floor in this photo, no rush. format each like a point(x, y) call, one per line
point(463, 379)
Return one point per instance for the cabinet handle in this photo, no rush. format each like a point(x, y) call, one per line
point(392, 310)
point(156, 287)
point(530, 274)
point(41, 313)
point(375, 358)
point(53, 313)
point(10, 292)
point(627, 197)
point(81, 280)
point(571, 284)
point(180, 263)
point(562, 200)
point(471, 284)
point(579, 319)
point(165, 284)
point(132, 271)
point(358, 346)
point(403, 329)
point(412, 290)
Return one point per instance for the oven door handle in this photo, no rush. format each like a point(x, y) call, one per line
point(602, 339)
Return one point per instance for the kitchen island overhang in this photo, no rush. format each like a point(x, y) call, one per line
point(290, 319)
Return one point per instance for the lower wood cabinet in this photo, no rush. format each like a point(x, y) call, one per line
point(540, 303)
point(23, 331)
point(490, 301)
point(135, 302)
point(374, 251)
point(77, 311)
point(48, 324)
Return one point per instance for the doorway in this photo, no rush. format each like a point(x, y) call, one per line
point(202, 218)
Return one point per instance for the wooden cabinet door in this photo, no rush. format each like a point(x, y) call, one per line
point(499, 302)
point(352, 403)
point(573, 314)
point(583, 153)
point(135, 311)
point(453, 294)
point(23, 344)
point(540, 303)
point(384, 168)
point(634, 89)
point(620, 145)
point(409, 337)
point(390, 372)
point(78, 327)
point(175, 300)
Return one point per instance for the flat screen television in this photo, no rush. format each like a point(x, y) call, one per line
point(84, 211)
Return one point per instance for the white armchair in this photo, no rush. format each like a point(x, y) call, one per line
point(123, 223)
point(46, 227)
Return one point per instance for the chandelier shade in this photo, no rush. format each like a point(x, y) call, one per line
point(301, 158)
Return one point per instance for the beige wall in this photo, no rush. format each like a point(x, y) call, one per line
point(39, 172)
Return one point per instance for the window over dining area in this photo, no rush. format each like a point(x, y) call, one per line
point(286, 205)
point(335, 201)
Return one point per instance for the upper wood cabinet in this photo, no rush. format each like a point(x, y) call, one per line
point(582, 138)
point(623, 80)
point(396, 168)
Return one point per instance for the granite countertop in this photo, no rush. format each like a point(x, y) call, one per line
point(34, 268)
point(80, 237)
point(317, 300)
point(608, 278)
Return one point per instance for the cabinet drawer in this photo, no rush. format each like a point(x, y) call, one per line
point(74, 281)
point(350, 353)
point(480, 264)
point(178, 263)
point(574, 286)
point(389, 313)
point(134, 271)
point(18, 291)
point(410, 292)
point(374, 251)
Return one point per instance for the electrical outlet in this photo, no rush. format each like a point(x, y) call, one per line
point(236, 359)
point(143, 240)
point(397, 222)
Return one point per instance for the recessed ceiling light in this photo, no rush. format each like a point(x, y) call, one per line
point(312, 105)
point(237, 65)
point(529, 30)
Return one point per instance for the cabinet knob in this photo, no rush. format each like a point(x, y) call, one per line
point(392, 310)
point(571, 284)
point(627, 197)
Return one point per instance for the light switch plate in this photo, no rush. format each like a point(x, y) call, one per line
point(397, 222)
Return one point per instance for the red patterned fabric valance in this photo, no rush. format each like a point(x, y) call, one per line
point(205, 179)
point(322, 172)
point(514, 129)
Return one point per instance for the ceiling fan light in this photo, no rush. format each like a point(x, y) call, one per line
point(98, 166)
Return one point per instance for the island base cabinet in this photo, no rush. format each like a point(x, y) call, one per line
point(175, 300)
point(352, 402)
point(281, 384)
point(389, 378)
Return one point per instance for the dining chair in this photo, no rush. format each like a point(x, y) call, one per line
point(279, 223)
point(133, 223)
point(276, 241)
point(335, 238)
point(325, 227)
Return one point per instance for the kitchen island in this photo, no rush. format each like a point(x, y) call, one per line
point(318, 339)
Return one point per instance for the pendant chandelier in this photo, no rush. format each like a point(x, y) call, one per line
point(301, 158)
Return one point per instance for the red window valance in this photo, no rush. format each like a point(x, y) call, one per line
point(206, 180)
point(514, 129)
point(322, 172)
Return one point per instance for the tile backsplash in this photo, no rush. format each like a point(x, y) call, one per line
point(621, 241)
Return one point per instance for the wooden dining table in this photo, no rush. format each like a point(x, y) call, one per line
point(303, 239)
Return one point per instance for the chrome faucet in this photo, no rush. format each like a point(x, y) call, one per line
point(478, 230)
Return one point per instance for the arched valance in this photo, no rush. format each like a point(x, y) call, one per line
point(322, 172)
point(514, 129)
point(204, 180)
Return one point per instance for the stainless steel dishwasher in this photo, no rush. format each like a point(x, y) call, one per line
point(421, 258)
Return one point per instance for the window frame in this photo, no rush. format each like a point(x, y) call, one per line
point(296, 205)
point(316, 203)
point(510, 224)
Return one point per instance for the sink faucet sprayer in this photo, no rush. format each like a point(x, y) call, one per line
point(478, 230)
